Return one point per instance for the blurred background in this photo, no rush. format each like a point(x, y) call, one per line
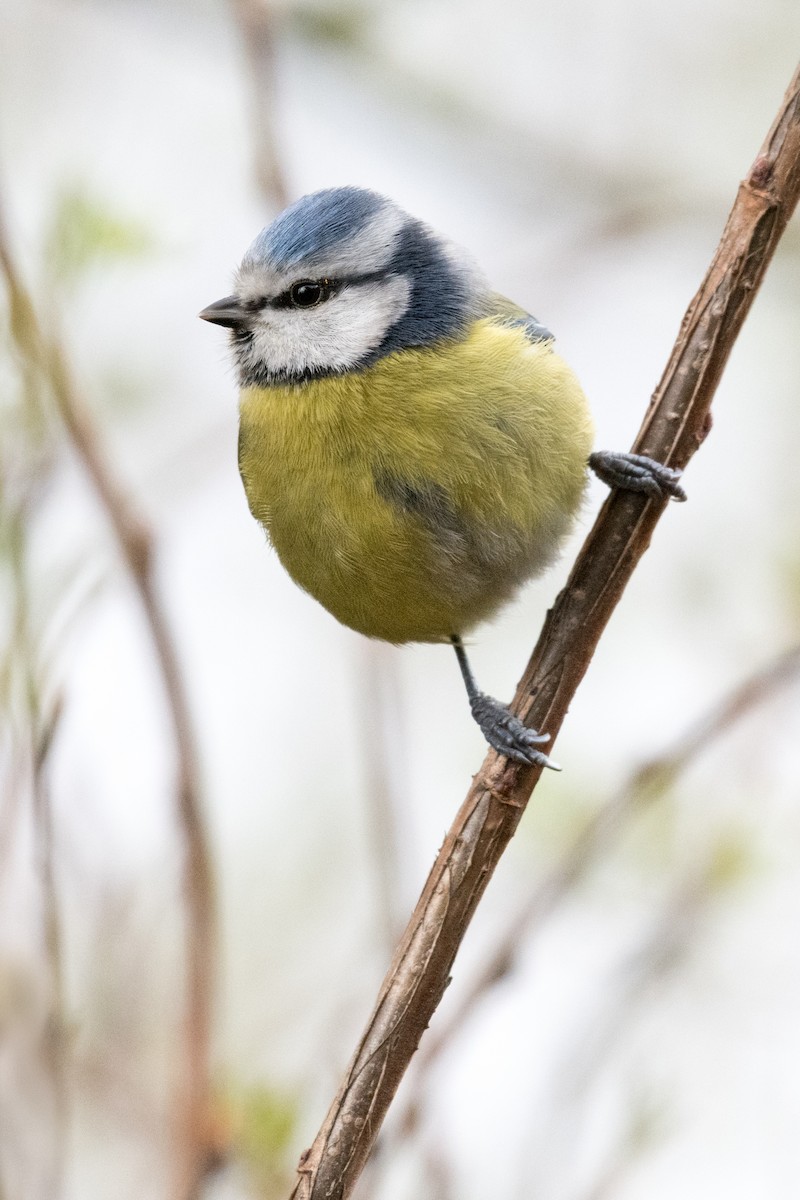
point(218, 806)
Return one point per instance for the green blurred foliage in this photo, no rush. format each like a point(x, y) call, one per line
point(788, 576)
point(263, 1122)
point(83, 232)
point(340, 24)
point(733, 860)
point(564, 805)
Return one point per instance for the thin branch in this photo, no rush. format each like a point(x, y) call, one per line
point(55, 1036)
point(378, 703)
point(677, 421)
point(43, 352)
point(642, 1131)
point(256, 23)
point(647, 784)
point(662, 950)
point(40, 728)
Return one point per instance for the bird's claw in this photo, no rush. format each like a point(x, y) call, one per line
point(507, 734)
point(637, 473)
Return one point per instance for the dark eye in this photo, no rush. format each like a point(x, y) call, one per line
point(306, 294)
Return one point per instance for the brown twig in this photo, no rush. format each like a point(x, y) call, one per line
point(665, 946)
point(256, 21)
point(40, 726)
point(43, 352)
point(662, 949)
point(55, 1035)
point(378, 703)
point(676, 423)
point(643, 787)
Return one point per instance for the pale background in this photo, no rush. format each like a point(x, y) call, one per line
point(588, 155)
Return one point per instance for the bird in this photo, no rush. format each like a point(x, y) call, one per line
point(409, 439)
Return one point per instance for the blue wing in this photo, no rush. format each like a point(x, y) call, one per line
point(510, 314)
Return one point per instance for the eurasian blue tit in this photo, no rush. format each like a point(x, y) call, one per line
point(409, 439)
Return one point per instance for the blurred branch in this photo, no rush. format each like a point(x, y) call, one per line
point(378, 705)
point(41, 352)
point(642, 1130)
point(647, 784)
point(40, 726)
point(55, 1049)
point(676, 423)
point(660, 951)
point(256, 23)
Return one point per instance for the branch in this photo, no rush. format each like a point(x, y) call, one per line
point(378, 696)
point(676, 423)
point(40, 729)
point(56, 1033)
point(643, 787)
point(255, 21)
point(40, 352)
point(659, 954)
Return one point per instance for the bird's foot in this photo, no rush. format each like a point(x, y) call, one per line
point(637, 473)
point(507, 734)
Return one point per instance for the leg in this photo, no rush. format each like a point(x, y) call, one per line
point(637, 473)
point(501, 728)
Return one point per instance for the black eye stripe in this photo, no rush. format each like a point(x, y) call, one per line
point(328, 288)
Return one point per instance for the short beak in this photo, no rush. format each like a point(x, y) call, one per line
point(227, 312)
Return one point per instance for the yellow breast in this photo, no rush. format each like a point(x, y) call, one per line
point(412, 498)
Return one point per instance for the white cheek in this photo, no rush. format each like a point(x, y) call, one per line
point(339, 334)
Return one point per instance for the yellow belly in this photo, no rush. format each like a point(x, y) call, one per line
point(411, 499)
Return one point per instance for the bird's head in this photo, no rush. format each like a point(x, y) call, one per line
point(337, 281)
